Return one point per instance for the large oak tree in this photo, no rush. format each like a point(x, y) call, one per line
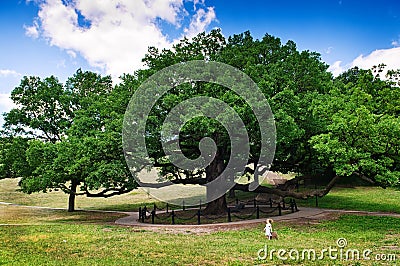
point(289, 79)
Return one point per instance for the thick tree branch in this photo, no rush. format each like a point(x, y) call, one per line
point(290, 183)
point(363, 177)
point(111, 192)
point(287, 193)
point(67, 190)
point(187, 181)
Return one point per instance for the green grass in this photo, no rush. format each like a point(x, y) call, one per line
point(359, 198)
point(57, 199)
point(52, 237)
point(60, 242)
point(55, 237)
point(28, 216)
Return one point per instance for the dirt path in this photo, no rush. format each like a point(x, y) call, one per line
point(308, 215)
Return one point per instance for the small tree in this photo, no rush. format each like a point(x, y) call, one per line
point(75, 131)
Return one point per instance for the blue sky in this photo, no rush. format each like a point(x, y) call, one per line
point(56, 37)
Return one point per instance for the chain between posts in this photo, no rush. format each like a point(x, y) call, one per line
point(144, 214)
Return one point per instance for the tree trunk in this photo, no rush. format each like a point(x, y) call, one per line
point(217, 206)
point(216, 167)
point(72, 195)
point(232, 194)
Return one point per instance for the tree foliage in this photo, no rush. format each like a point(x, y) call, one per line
point(327, 128)
point(68, 136)
point(362, 135)
point(288, 78)
point(13, 162)
point(75, 132)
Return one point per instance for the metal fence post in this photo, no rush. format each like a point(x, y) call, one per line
point(291, 205)
point(144, 213)
point(153, 213)
point(173, 217)
point(229, 215)
point(258, 212)
point(280, 209)
point(198, 216)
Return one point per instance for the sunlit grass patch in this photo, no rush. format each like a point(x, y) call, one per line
point(23, 215)
point(359, 198)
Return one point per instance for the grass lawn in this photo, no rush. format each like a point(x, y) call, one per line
point(60, 238)
point(55, 237)
point(358, 198)
point(57, 199)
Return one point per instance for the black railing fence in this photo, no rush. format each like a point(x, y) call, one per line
point(259, 207)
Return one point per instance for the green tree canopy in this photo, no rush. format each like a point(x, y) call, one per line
point(362, 135)
point(288, 78)
point(68, 136)
point(13, 161)
point(75, 132)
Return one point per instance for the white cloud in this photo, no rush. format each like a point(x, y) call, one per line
point(196, 2)
point(336, 69)
point(71, 53)
point(6, 104)
point(200, 21)
point(390, 57)
point(116, 34)
point(396, 43)
point(32, 31)
point(4, 73)
point(329, 50)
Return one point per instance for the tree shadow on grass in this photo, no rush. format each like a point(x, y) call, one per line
point(87, 217)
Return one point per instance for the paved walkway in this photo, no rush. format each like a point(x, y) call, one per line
point(133, 217)
point(303, 213)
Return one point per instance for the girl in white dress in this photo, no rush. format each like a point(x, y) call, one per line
point(268, 228)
